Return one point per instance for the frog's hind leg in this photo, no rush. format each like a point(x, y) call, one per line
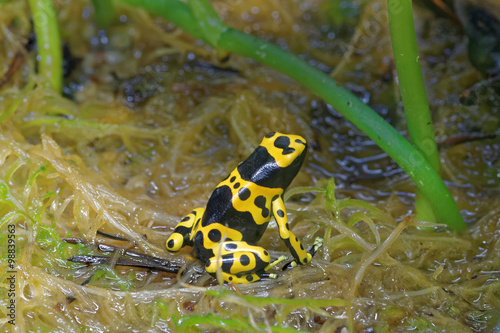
point(240, 262)
point(183, 231)
point(301, 255)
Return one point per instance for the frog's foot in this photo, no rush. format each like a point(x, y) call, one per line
point(238, 261)
point(318, 242)
point(182, 232)
point(247, 278)
point(254, 276)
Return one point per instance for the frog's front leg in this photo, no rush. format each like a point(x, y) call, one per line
point(183, 231)
point(295, 247)
point(240, 262)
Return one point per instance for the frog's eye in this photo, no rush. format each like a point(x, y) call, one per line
point(300, 142)
point(270, 135)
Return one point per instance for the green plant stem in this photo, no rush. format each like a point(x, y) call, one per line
point(104, 12)
point(175, 11)
point(48, 42)
point(366, 119)
point(411, 84)
point(209, 22)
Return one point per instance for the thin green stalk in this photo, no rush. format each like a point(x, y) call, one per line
point(366, 119)
point(48, 42)
point(104, 12)
point(411, 84)
point(209, 22)
point(175, 11)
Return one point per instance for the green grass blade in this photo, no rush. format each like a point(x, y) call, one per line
point(411, 84)
point(48, 42)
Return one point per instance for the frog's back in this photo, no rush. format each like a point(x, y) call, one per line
point(223, 211)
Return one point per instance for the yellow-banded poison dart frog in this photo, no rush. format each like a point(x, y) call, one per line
point(224, 234)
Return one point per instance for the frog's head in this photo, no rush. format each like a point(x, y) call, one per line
point(288, 150)
point(276, 161)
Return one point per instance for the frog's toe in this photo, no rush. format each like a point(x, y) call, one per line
point(277, 261)
point(175, 242)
